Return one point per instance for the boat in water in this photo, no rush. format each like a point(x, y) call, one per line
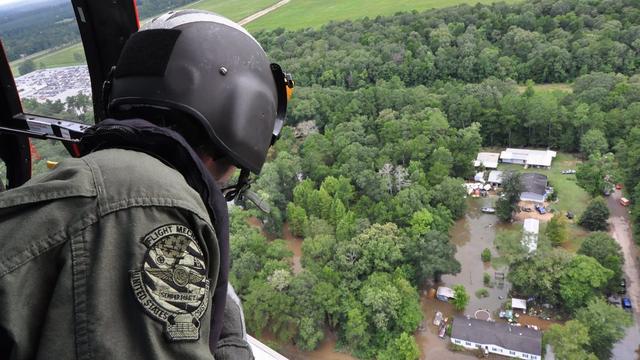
point(488, 210)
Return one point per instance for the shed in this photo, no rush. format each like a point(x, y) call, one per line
point(495, 178)
point(444, 293)
point(479, 177)
point(519, 304)
point(530, 234)
point(487, 159)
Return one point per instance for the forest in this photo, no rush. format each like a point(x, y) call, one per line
point(55, 26)
point(387, 117)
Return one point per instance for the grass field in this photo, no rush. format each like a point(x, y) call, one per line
point(233, 9)
point(571, 197)
point(300, 14)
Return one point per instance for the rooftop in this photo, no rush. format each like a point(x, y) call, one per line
point(531, 157)
point(487, 159)
point(531, 225)
point(509, 337)
point(534, 183)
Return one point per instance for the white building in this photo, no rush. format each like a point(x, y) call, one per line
point(495, 178)
point(498, 338)
point(530, 234)
point(526, 157)
point(488, 160)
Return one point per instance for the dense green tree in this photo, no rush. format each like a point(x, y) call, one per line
point(602, 247)
point(451, 194)
point(595, 215)
point(431, 254)
point(592, 175)
point(592, 142)
point(606, 324)
point(460, 297)
point(540, 275)
point(556, 230)
point(297, 217)
point(26, 67)
point(402, 348)
point(570, 341)
point(581, 280)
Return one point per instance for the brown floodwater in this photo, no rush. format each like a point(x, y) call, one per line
point(295, 245)
point(471, 234)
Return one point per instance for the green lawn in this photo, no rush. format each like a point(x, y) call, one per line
point(233, 9)
point(570, 195)
point(508, 242)
point(314, 13)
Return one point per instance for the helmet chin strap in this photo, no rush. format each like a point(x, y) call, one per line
point(240, 191)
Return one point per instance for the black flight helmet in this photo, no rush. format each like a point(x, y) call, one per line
point(195, 65)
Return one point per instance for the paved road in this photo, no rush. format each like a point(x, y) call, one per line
point(264, 12)
point(620, 230)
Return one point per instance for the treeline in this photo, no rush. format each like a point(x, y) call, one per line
point(542, 40)
point(603, 106)
point(25, 32)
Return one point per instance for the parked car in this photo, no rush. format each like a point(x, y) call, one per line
point(570, 215)
point(626, 303)
point(526, 209)
point(488, 210)
point(618, 186)
point(623, 286)
point(541, 209)
point(624, 202)
point(606, 192)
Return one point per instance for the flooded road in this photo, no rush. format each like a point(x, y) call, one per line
point(475, 232)
point(431, 346)
point(295, 245)
point(620, 230)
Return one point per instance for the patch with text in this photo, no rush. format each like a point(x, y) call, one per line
point(172, 284)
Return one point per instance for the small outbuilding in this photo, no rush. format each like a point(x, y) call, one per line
point(479, 177)
point(444, 293)
point(519, 304)
point(530, 234)
point(495, 178)
point(487, 159)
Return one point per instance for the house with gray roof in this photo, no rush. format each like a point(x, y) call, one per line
point(498, 338)
point(534, 187)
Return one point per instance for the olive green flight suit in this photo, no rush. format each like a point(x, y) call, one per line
point(110, 256)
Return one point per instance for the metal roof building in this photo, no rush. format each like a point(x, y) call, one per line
point(530, 234)
point(497, 338)
point(536, 158)
point(487, 159)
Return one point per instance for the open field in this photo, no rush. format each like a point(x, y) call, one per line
point(233, 9)
point(314, 13)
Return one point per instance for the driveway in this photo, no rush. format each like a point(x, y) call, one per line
point(620, 229)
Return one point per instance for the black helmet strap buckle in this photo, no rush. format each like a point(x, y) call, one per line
point(240, 191)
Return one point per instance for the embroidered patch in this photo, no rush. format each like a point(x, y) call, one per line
point(172, 284)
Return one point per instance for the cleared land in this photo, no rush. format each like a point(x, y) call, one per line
point(314, 13)
point(233, 9)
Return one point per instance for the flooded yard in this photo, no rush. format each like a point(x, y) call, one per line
point(475, 232)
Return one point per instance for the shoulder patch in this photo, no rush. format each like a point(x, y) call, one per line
point(172, 284)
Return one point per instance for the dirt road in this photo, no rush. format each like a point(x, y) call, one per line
point(620, 229)
point(264, 12)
